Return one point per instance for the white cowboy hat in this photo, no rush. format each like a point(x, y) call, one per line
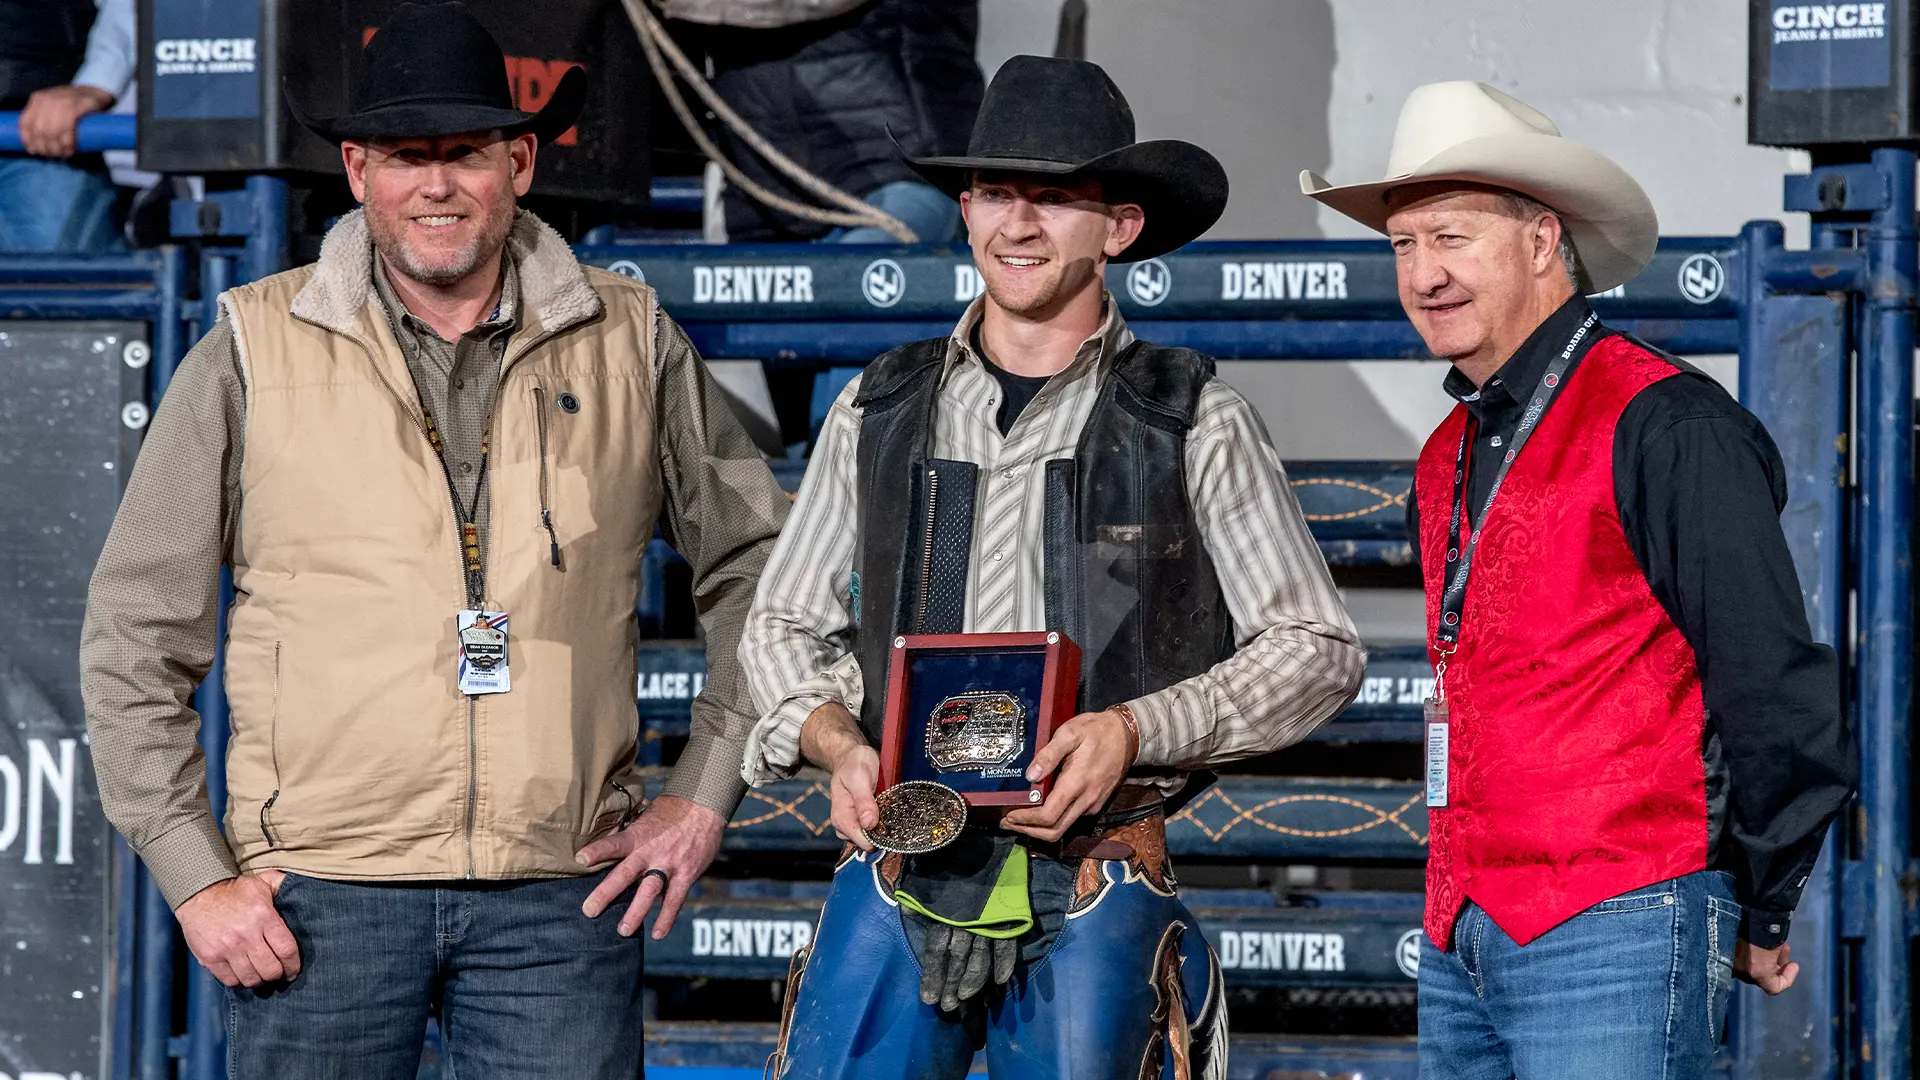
point(1470, 131)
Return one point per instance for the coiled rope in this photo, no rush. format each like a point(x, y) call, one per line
point(655, 41)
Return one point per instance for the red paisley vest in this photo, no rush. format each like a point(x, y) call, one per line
point(1576, 771)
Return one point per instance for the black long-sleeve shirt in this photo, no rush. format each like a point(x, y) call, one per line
point(1700, 486)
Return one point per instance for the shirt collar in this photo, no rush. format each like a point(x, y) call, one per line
point(1099, 349)
point(1517, 377)
point(505, 315)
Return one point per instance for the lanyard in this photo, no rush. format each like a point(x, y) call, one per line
point(467, 517)
point(1460, 556)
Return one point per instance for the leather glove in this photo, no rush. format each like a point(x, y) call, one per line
point(955, 964)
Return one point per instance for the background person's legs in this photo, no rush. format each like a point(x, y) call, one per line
point(56, 206)
point(358, 1010)
point(929, 212)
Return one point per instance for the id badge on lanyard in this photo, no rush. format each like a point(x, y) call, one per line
point(480, 636)
point(483, 652)
point(1434, 712)
point(1459, 560)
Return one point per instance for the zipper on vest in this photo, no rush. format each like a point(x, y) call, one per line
point(546, 513)
point(273, 737)
point(473, 775)
point(926, 552)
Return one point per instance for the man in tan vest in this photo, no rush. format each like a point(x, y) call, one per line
point(433, 461)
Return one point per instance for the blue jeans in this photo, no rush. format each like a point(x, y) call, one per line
point(1082, 1011)
point(50, 205)
point(928, 211)
point(1634, 988)
point(524, 984)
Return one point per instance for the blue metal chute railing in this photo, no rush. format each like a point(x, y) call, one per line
point(1315, 940)
point(1304, 300)
point(1260, 818)
point(740, 1052)
point(1293, 300)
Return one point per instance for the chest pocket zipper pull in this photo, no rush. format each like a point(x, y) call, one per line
point(546, 511)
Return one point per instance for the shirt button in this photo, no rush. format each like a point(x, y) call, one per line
point(1006, 474)
point(997, 556)
point(466, 468)
point(461, 384)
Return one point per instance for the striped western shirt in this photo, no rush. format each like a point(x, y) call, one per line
point(1299, 658)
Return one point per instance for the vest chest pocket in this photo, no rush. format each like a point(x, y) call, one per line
point(569, 404)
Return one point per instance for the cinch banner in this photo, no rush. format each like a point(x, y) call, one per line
point(1830, 46)
point(206, 60)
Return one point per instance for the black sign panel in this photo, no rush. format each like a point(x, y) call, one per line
point(1362, 945)
point(1240, 280)
point(221, 69)
point(69, 424)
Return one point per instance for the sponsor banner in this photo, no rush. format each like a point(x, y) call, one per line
point(1830, 46)
point(756, 939)
point(1398, 679)
point(671, 676)
point(1213, 281)
point(207, 60)
point(1314, 946)
point(68, 433)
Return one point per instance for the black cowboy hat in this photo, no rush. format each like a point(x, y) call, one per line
point(432, 69)
point(1060, 117)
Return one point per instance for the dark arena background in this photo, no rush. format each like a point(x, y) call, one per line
point(1787, 267)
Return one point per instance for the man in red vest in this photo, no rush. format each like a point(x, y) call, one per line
point(1634, 746)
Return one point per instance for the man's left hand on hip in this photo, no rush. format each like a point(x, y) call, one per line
point(678, 837)
point(49, 125)
point(1092, 752)
point(1772, 970)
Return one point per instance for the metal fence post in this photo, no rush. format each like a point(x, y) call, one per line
point(1794, 375)
point(266, 251)
point(1885, 645)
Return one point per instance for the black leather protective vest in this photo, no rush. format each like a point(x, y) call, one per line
point(1127, 577)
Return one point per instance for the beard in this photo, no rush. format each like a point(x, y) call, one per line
point(439, 266)
point(1035, 296)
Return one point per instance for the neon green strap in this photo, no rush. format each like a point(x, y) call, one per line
point(1008, 912)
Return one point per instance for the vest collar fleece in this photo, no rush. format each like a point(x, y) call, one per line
point(554, 290)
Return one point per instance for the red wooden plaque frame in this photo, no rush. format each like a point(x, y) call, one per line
point(1059, 690)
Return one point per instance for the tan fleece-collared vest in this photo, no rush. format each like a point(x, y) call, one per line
point(353, 753)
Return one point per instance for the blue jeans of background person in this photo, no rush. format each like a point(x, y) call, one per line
point(524, 984)
point(932, 215)
point(57, 206)
point(1635, 988)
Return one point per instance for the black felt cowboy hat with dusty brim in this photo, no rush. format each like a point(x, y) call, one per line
point(433, 69)
point(1066, 118)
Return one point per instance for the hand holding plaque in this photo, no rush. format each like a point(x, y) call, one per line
point(965, 714)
